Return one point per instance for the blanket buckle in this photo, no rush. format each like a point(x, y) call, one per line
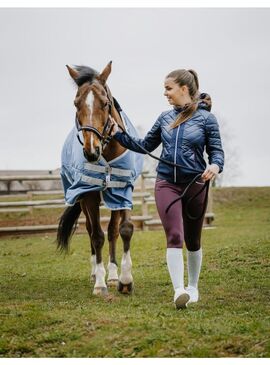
point(108, 169)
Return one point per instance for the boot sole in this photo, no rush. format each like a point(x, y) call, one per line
point(181, 301)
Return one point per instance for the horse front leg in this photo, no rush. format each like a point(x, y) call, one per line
point(93, 260)
point(98, 239)
point(113, 234)
point(91, 204)
point(125, 285)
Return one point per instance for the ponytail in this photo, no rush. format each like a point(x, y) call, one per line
point(185, 114)
point(195, 75)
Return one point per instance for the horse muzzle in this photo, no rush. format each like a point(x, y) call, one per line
point(92, 157)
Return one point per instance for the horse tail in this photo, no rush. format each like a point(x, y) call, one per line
point(67, 226)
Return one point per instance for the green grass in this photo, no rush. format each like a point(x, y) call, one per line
point(48, 310)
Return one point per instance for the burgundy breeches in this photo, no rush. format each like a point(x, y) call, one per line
point(178, 226)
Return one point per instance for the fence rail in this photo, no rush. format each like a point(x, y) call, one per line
point(142, 197)
point(10, 178)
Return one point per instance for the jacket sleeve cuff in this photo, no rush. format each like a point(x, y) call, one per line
point(219, 166)
point(117, 135)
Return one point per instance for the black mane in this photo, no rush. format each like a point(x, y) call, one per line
point(86, 74)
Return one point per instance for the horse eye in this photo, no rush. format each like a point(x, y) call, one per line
point(106, 105)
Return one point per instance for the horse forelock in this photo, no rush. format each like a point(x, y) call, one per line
point(85, 74)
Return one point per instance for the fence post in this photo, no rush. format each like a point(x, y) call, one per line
point(8, 187)
point(29, 195)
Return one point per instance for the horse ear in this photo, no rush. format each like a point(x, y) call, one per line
point(105, 73)
point(73, 73)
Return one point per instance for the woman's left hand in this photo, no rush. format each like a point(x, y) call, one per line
point(210, 172)
point(115, 128)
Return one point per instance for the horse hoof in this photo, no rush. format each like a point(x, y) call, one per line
point(101, 291)
point(113, 283)
point(125, 288)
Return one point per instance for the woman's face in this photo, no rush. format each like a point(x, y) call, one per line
point(175, 94)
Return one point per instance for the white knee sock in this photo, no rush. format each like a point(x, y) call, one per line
point(175, 265)
point(194, 261)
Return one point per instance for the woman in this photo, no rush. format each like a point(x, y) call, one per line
point(185, 132)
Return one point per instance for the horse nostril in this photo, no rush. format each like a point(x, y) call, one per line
point(85, 154)
point(97, 150)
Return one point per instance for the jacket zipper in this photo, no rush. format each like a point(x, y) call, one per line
point(175, 152)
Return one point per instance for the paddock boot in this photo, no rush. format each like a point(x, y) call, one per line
point(193, 293)
point(181, 298)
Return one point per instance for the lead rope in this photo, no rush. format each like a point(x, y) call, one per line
point(193, 181)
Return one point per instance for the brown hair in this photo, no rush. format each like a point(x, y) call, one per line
point(190, 79)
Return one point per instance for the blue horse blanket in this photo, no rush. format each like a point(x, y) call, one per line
point(114, 179)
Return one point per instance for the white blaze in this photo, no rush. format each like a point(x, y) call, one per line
point(90, 104)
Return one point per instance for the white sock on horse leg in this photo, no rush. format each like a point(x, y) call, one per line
point(194, 261)
point(126, 265)
point(100, 276)
point(175, 265)
point(112, 268)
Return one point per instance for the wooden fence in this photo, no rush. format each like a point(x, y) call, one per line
point(142, 197)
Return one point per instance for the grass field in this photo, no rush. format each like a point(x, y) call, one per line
point(48, 310)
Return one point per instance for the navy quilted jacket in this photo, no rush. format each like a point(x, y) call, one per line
point(183, 145)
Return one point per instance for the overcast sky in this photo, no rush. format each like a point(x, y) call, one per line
point(229, 48)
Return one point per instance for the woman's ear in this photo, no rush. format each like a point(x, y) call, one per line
point(184, 89)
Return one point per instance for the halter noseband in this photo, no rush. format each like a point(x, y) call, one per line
point(106, 129)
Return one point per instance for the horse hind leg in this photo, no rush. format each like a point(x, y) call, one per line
point(125, 285)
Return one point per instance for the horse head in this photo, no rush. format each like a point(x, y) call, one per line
point(93, 103)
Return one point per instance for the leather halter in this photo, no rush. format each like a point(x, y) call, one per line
point(107, 129)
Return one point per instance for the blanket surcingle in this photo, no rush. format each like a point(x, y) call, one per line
point(114, 179)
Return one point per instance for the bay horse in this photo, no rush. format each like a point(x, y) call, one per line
point(95, 108)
